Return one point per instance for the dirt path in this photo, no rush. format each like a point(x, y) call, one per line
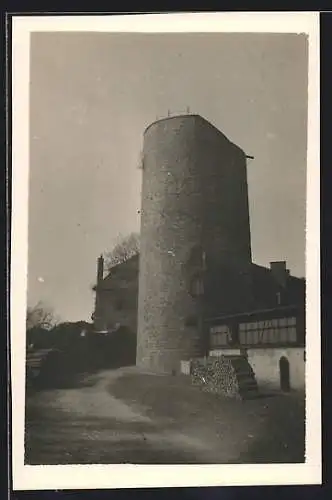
point(95, 401)
point(95, 423)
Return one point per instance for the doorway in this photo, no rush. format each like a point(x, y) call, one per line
point(284, 374)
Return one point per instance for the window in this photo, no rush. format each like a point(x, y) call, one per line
point(119, 304)
point(191, 321)
point(242, 336)
point(269, 331)
point(197, 258)
point(220, 335)
point(292, 334)
point(283, 334)
point(196, 286)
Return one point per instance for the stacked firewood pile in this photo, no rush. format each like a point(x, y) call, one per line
point(230, 376)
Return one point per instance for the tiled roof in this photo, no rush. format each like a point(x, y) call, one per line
point(121, 274)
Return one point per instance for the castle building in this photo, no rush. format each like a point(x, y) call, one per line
point(116, 297)
point(194, 289)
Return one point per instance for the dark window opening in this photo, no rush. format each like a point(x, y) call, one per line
point(119, 305)
point(196, 286)
point(191, 321)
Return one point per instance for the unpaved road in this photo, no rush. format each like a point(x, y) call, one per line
point(120, 416)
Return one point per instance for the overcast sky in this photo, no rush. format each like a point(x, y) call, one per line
point(93, 94)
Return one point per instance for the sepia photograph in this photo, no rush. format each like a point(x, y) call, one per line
point(167, 281)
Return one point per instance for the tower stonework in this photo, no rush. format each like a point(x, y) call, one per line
point(194, 199)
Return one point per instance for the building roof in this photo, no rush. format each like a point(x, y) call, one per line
point(120, 274)
point(264, 282)
point(227, 289)
point(230, 290)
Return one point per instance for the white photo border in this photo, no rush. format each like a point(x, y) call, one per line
point(27, 477)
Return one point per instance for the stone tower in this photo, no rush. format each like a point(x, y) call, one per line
point(194, 214)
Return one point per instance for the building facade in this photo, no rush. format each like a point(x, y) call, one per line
point(273, 341)
point(271, 335)
point(116, 297)
point(194, 290)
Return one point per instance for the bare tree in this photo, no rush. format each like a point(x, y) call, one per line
point(41, 316)
point(127, 247)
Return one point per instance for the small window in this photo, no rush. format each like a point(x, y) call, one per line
point(222, 339)
point(262, 337)
point(291, 321)
point(283, 334)
point(292, 334)
point(196, 286)
point(255, 337)
point(119, 304)
point(277, 335)
point(192, 321)
point(242, 337)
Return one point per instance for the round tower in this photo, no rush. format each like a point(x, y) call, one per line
point(194, 214)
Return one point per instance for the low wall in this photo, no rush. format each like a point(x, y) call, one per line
point(265, 363)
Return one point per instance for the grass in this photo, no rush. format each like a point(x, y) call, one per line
point(267, 429)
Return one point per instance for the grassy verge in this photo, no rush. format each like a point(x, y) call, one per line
point(268, 429)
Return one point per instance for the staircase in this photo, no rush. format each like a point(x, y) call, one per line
point(247, 384)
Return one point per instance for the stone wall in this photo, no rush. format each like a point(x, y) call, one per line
point(265, 363)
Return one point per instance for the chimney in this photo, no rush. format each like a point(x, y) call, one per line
point(100, 269)
point(279, 272)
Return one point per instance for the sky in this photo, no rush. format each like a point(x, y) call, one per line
point(91, 97)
